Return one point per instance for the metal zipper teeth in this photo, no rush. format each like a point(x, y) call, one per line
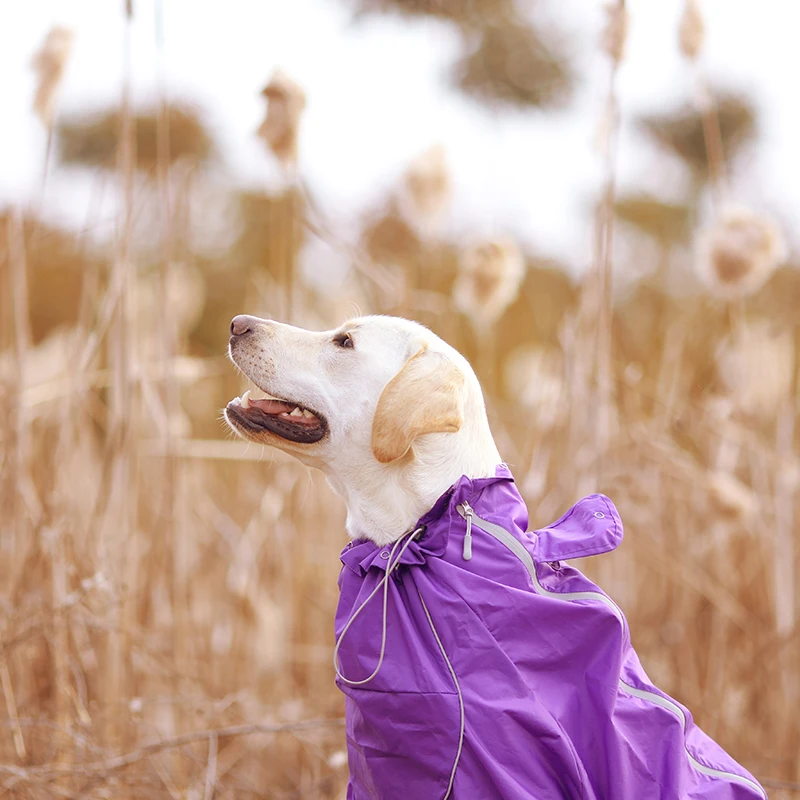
point(519, 550)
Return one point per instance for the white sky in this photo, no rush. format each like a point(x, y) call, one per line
point(378, 95)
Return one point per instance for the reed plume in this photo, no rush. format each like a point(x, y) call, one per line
point(489, 277)
point(424, 195)
point(280, 129)
point(737, 253)
point(49, 63)
point(691, 30)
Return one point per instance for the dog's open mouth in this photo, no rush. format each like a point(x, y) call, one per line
point(284, 418)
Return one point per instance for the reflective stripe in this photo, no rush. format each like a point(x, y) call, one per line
point(512, 543)
point(521, 552)
point(657, 699)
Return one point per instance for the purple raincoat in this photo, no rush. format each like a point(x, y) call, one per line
point(505, 672)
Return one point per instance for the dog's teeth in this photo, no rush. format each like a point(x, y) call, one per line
point(284, 414)
point(296, 412)
point(307, 414)
point(245, 401)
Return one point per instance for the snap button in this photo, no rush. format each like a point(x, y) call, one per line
point(599, 514)
point(384, 554)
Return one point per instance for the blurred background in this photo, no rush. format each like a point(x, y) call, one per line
point(596, 203)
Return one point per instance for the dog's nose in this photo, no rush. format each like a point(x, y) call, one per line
point(241, 324)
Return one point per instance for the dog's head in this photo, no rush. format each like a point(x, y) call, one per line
point(384, 379)
point(390, 412)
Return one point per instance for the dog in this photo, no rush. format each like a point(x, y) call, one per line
point(475, 662)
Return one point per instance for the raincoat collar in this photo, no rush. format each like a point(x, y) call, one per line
point(590, 527)
point(361, 554)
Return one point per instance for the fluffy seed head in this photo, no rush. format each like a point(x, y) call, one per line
point(738, 252)
point(615, 32)
point(425, 191)
point(489, 278)
point(755, 365)
point(691, 30)
point(280, 128)
point(49, 63)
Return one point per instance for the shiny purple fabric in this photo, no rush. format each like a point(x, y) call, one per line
point(545, 714)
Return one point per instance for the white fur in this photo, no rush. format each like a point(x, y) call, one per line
point(344, 385)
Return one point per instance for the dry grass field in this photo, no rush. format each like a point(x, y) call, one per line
point(167, 592)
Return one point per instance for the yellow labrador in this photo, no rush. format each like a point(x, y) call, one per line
point(466, 661)
point(387, 410)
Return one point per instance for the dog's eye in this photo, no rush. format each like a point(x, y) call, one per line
point(343, 340)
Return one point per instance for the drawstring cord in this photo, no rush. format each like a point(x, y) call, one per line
point(462, 716)
point(383, 583)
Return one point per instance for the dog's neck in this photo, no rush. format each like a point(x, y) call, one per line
point(384, 501)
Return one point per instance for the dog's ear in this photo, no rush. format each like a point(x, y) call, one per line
point(426, 396)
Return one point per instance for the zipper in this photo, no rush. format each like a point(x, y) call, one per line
point(521, 552)
point(467, 514)
point(515, 546)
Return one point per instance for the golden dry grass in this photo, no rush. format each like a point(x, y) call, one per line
point(160, 580)
point(168, 592)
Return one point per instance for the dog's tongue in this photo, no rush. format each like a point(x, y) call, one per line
point(271, 406)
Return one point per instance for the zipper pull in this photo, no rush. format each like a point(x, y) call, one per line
point(468, 512)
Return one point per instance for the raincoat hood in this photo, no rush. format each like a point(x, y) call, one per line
point(476, 664)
